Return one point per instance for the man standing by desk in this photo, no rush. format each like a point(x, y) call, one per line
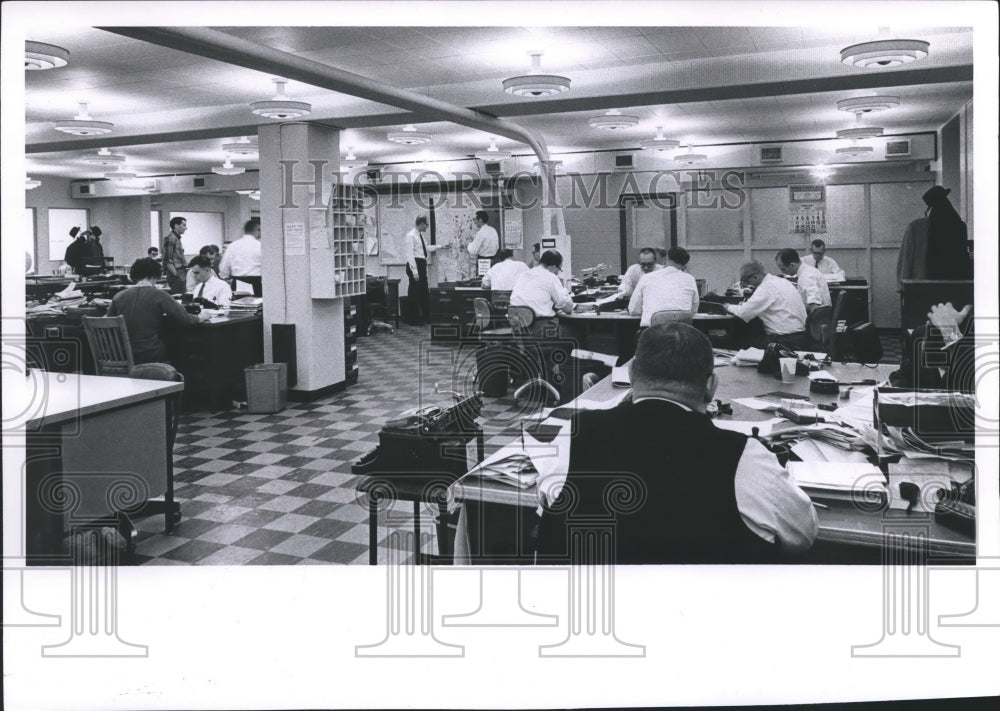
point(826, 265)
point(487, 242)
point(242, 260)
point(416, 249)
point(777, 303)
point(710, 495)
point(174, 263)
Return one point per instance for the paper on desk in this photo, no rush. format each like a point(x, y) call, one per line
point(605, 358)
point(755, 403)
point(748, 356)
point(822, 375)
point(746, 426)
point(811, 450)
point(620, 377)
point(836, 476)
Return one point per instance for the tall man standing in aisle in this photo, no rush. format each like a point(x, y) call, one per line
point(486, 243)
point(416, 249)
point(174, 263)
point(242, 259)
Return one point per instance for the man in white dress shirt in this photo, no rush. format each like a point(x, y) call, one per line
point(504, 274)
point(776, 302)
point(415, 250)
point(647, 264)
point(242, 258)
point(826, 265)
point(207, 286)
point(810, 283)
point(667, 289)
point(486, 243)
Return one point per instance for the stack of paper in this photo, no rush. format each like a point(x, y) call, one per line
point(515, 469)
point(841, 481)
point(246, 305)
point(620, 377)
point(748, 356)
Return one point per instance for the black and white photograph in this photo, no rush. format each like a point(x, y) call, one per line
point(499, 354)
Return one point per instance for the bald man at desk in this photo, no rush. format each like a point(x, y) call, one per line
point(706, 495)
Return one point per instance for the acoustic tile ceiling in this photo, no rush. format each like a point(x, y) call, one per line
point(706, 86)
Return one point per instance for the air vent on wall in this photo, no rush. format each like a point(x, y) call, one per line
point(199, 182)
point(624, 161)
point(85, 190)
point(770, 154)
point(493, 167)
point(897, 149)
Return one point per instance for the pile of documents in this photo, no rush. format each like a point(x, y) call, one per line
point(246, 305)
point(748, 356)
point(515, 469)
point(859, 483)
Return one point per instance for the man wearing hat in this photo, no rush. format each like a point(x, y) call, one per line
point(947, 238)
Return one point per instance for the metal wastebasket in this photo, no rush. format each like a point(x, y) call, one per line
point(267, 387)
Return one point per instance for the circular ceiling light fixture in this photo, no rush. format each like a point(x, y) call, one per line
point(868, 104)
point(119, 175)
point(690, 158)
point(881, 54)
point(83, 124)
point(660, 143)
point(534, 83)
point(104, 157)
point(30, 183)
point(493, 153)
point(243, 148)
point(280, 107)
point(351, 161)
point(227, 168)
point(821, 171)
point(613, 120)
point(409, 136)
point(38, 56)
point(854, 151)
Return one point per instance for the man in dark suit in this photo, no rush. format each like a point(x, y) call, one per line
point(680, 489)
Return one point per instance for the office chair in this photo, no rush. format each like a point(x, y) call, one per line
point(109, 344)
point(484, 317)
point(500, 301)
point(520, 319)
point(819, 325)
point(668, 316)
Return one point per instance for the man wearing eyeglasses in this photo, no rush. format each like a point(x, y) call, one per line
point(647, 264)
point(776, 302)
point(541, 290)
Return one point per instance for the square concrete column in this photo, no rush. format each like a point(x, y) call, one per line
point(298, 163)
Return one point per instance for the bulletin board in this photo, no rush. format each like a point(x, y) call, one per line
point(394, 218)
point(454, 229)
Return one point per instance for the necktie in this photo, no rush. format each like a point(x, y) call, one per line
point(423, 244)
point(201, 290)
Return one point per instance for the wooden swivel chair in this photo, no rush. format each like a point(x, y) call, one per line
point(520, 319)
point(109, 344)
point(819, 325)
point(484, 318)
point(668, 316)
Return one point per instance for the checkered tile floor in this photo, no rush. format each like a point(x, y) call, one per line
point(278, 489)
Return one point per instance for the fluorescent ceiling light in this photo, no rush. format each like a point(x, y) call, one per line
point(38, 56)
point(104, 157)
point(881, 54)
point(280, 107)
point(854, 151)
point(243, 148)
point(690, 158)
point(534, 83)
point(409, 136)
point(660, 143)
point(613, 120)
point(120, 175)
point(31, 183)
point(83, 125)
point(227, 168)
point(493, 153)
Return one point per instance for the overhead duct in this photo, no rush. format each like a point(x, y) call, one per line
point(213, 44)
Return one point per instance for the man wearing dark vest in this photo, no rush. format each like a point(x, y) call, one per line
point(693, 493)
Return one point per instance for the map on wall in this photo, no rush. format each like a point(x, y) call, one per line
point(454, 230)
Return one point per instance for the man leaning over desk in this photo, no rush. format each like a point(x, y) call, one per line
point(668, 289)
point(776, 302)
point(710, 495)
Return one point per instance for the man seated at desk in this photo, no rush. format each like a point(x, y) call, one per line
point(504, 274)
point(540, 290)
point(647, 264)
point(207, 286)
point(667, 289)
point(214, 255)
point(808, 280)
point(145, 307)
point(829, 268)
point(709, 495)
point(776, 302)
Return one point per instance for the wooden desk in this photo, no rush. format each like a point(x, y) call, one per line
point(615, 331)
point(96, 446)
point(847, 535)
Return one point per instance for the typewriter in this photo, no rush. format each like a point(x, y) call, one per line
point(426, 441)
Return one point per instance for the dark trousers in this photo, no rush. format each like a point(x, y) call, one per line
point(419, 293)
point(253, 281)
point(178, 284)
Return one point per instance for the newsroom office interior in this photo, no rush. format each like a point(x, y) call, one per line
point(869, 201)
